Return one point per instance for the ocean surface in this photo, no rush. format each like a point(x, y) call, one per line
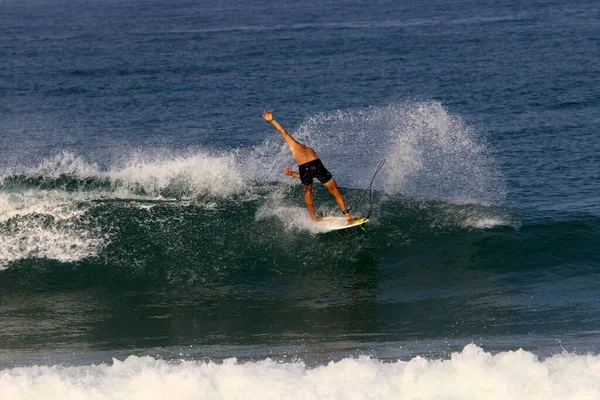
point(151, 247)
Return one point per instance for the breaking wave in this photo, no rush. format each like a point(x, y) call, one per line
point(469, 374)
point(53, 209)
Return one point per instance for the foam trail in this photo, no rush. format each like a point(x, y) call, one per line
point(473, 217)
point(293, 217)
point(470, 374)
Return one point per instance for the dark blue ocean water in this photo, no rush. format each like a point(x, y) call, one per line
point(143, 209)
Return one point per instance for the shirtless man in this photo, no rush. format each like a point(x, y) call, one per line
point(310, 166)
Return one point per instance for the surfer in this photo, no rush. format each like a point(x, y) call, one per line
point(310, 166)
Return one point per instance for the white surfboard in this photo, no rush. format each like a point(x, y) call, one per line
point(328, 224)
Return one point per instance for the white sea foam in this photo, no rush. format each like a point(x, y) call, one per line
point(474, 218)
point(63, 163)
point(45, 224)
point(486, 222)
point(292, 217)
point(57, 203)
point(470, 374)
point(147, 175)
point(36, 237)
point(186, 176)
point(436, 154)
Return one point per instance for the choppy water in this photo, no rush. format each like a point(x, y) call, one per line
point(144, 216)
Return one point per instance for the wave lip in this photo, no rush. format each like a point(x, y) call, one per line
point(184, 176)
point(470, 374)
point(188, 176)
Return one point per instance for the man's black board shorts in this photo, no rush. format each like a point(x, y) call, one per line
point(314, 169)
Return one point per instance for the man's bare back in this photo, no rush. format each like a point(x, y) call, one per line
point(303, 154)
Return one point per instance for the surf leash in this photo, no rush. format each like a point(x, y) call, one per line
point(370, 188)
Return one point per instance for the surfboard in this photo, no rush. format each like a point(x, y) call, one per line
point(328, 224)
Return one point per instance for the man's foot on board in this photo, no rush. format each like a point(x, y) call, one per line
point(314, 218)
point(349, 217)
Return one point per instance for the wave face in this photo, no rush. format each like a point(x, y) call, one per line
point(471, 373)
point(159, 219)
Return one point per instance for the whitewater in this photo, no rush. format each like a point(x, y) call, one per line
point(469, 374)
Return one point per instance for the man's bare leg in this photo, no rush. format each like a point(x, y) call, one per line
point(339, 199)
point(308, 199)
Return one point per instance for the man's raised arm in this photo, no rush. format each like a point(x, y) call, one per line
point(268, 116)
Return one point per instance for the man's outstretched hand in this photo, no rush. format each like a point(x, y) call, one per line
point(268, 115)
point(288, 171)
